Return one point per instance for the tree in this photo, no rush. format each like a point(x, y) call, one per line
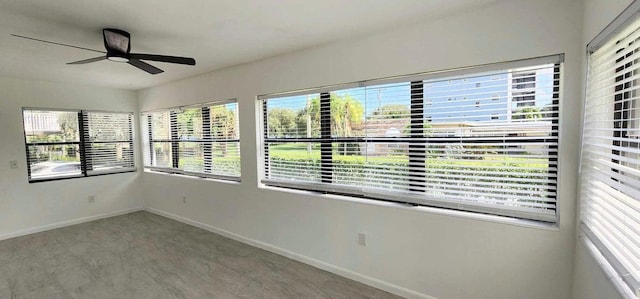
point(548, 111)
point(530, 112)
point(223, 122)
point(346, 115)
point(223, 125)
point(282, 122)
point(392, 111)
point(68, 123)
point(190, 123)
point(426, 130)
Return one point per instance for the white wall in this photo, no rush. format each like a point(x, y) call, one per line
point(589, 280)
point(25, 207)
point(410, 250)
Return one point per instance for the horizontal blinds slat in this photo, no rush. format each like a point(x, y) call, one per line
point(108, 142)
point(486, 138)
point(610, 176)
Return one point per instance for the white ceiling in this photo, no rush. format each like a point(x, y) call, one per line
point(217, 34)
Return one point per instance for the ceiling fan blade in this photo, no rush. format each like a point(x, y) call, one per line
point(59, 44)
point(145, 66)
point(164, 58)
point(89, 60)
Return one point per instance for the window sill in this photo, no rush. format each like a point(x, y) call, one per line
point(424, 209)
point(612, 275)
point(97, 174)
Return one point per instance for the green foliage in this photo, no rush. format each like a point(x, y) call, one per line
point(426, 130)
point(68, 123)
point(223, 122)
point(282, 122)
point(352, 168)
point(220, 165)
point(530, 112)
point(190, 122)
point(392, 111)
point(347, 115)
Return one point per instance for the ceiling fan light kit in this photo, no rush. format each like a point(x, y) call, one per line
point(118, 48)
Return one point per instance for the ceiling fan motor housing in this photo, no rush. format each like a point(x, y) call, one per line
point(118, 44)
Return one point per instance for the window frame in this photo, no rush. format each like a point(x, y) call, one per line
point(418, 104)
point(174, 140)
point(86, 165)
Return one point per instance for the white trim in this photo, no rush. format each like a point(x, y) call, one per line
point(398, 290)
point(37, 229)
point(612, 275)
point(615, 27)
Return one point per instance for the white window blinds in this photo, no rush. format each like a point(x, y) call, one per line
point(480, 139)
point(201, 140)
point(610, 167)
point(108, 141)
point(75, 143)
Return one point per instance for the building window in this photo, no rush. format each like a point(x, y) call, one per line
point(383, 141)
point(76, 143)
point(525, 80)
point(610, 176)
point(201, 140)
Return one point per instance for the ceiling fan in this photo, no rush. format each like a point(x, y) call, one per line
point(118, 45)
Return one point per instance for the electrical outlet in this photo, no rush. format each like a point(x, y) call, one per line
point(13, 164)
point(92, 198)
point(362, 239)
point(184, 199)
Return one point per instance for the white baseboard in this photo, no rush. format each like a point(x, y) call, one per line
point(394, 289)
point(38, 229)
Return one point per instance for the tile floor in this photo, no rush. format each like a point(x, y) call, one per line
point(142, 255)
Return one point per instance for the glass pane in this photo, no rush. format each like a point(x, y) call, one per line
point(226, 158)
point(224, 121)
point(191, 156)
point(111, 156)
point(51, 161)
point(388, 110)
point(294, 161)
point(347, 112)
point(161, 125)
point(189, 124)
point(162, 154)
point(297, 116)
point(489, 171)
point(51, 126)
point(374, 165)
point(108, 126)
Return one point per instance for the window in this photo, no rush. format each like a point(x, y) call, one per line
point(385, 140)
point(610, 176)
point(74, 143)
point(202, 140)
